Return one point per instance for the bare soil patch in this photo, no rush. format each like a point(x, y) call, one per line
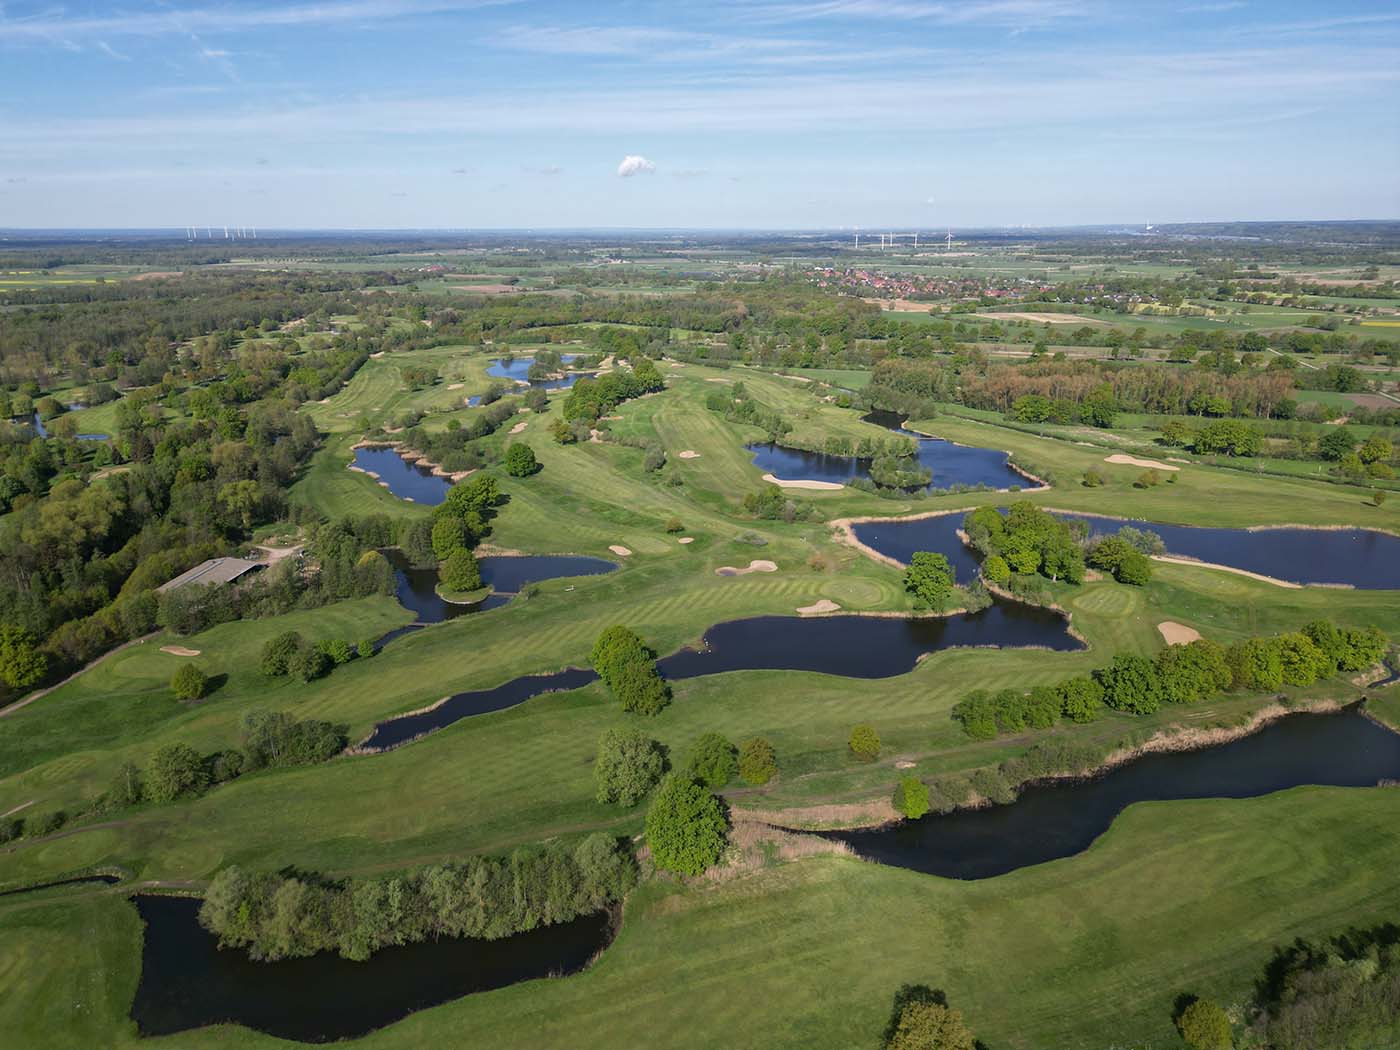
point(1133, 461)
point(1017, 315)
point(1178, 633)
point(821, 486)
point(757, 565)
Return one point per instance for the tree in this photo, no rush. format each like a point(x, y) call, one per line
point(562, 433)
point(126, 789)
point(21, 662)
point(1336, 443)
point(460, 572)
point(1130, 684)
point(1375, 449)
point(927, 1023)
point(628, 765)
point(189, 683)
point(175, 770)
point(996, 570)
point(977, 714)
point(1204, 1025)
point(520, 461)
point(712, 761)
point(685, 827)
point(616, 647)
point(277, 653)
point(449, 534)
point(640, 689)
point(1081, 698)
point(242, 498)
point(1303, 662)
point(865, 742)
point(1255, 664)
point(930, 579)
point(308, 663)
point(911, 797)
point(758, 762)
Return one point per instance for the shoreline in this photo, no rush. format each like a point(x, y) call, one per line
point(409, 456)
point(1171, 738)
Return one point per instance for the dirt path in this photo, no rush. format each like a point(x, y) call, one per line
point(4, 712)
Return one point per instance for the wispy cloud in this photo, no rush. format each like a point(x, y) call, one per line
point(1001, 13)
point(56, 23)
point(1212, 9)
point(111, 52)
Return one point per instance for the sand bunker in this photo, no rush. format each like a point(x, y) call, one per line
point(758, 565)
point(686, 539)
point(689, 454)
point(1133, 461)
point(716, 379)
point(824, 486)
point(826, 605)
point(455, 386)
point(1178, 633)
point(520, 426)
point(179, 650)
point(620, 550)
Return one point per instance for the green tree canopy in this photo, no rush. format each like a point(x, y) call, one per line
point(686, 827)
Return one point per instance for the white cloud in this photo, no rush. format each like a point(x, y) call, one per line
point(634, 164)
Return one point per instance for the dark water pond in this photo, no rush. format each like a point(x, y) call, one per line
point(1356, 557)
point(1343, 749)
point(187, 982)
point(950, 463)
point(853, 646)
point(417, 588)
point(862, 646)
point(43, 432)
point(519, 371)
point(405, 480)
point(1360, 558)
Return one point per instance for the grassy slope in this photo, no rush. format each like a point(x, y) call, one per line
point(1082, 953)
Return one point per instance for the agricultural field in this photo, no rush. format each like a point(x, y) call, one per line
point(261, 420)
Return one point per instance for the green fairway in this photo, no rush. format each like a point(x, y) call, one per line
point(1082, 953)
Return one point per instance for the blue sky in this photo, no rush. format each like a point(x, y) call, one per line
point(768, 114)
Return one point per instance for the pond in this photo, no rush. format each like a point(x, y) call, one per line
point(188, 982)
point(1359, 558)
point(43, 432)
point(852, 646)
point(518, 370)
point(1053, 820)
point(405, 480)
point(507, 574)
point(951, 464)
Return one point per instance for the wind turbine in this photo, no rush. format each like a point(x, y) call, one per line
point(950, 241)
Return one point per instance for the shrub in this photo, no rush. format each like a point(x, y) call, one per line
point(189, 683)
point(992, 785)
point(1081, 699)
point(685, 827)
point(1130, 684)
point(977, 714)
point(365, 649)
point(460, 572)
point(758, 762)
point(1093, 478)
point(1204, 1025)
point(641, 689)
point(923, 1020)
point(175, 770)
point(930, 579)
point(275, 738)
point(996, 570)
point(712, 761)
point(47, 823)
point(911, 797)
point(628, 765)
point(865, 742)
point(308, 664)
point(126, 788)
point(450, 534)
point(1377, 497)
point(337, 649)
point(277, 653)
point(520, 461)
point(674, 525)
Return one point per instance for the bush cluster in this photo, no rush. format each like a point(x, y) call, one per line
point(628, 668)
point(278, 916)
